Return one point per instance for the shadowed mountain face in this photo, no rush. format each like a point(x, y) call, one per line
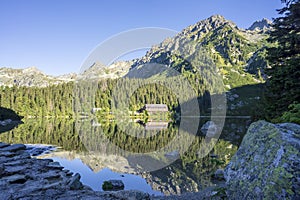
point(215, 41)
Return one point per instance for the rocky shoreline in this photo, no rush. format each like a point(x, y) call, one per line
point(25, 177)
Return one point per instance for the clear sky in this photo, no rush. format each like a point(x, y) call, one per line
point(56, 36)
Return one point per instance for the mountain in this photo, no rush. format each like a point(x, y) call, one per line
point(213, 45)
point(30, 77)
point(100, 71)
point(262, 25)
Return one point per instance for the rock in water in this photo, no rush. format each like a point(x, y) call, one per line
point(267, 164)
point(113, 185)
point(209, 129)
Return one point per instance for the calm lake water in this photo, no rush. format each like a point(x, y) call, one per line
point(161, 159)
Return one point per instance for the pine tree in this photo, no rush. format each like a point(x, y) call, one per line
point(283, 85)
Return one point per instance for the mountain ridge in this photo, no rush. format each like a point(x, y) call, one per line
point(233, 50)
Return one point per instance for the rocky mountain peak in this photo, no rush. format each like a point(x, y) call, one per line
point(206, 25)
point(99, 70)
point(263, 24)
point(217, 18)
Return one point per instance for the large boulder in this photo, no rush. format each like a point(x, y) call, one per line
point(267, 164)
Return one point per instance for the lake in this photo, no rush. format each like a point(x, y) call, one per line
point(162, 159)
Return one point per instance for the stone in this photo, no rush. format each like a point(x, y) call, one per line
point(14, 162)
point(2, 144)
point(7, 153)
point(52, 185)
point(50, 175)
point(16, 179)
point(75, 183)
point(37, 149)
point(209, 129)
point(267, 163)
point(2, 170)
point(113, 185)
point(15, 169)
point(235, 96)
point(14, 147)
point(55, 165)
point(131, 195)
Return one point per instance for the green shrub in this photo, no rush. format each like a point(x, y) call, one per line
point(292, 115)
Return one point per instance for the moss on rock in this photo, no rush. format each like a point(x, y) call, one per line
point(267, 164)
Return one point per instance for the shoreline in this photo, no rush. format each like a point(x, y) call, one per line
point(26, 177)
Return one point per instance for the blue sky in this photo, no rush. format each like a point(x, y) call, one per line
point(56, 36)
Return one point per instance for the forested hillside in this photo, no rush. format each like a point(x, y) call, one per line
point(214, 56)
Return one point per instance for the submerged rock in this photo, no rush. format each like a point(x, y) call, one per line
point(267, 164)
point(113, 185)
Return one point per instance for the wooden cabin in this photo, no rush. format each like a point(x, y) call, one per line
point(155, 108)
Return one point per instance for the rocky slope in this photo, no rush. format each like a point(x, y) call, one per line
point(33, 77)
point(212, 42)
point(262, 25)
point(266, 166)
point(100, 71)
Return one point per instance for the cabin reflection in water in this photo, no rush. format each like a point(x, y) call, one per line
point(156, 125)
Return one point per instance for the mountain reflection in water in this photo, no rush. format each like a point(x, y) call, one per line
point(112, 150)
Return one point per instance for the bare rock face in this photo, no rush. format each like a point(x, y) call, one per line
point(261, 25)
point(267, 164)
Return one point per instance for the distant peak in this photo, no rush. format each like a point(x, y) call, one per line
point(32, 69)
point(263, 24)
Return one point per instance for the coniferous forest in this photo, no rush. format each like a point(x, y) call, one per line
point(98, 120)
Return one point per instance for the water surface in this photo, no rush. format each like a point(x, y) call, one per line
point(112, 151)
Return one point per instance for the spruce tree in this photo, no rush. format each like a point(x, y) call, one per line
point(283, 85)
